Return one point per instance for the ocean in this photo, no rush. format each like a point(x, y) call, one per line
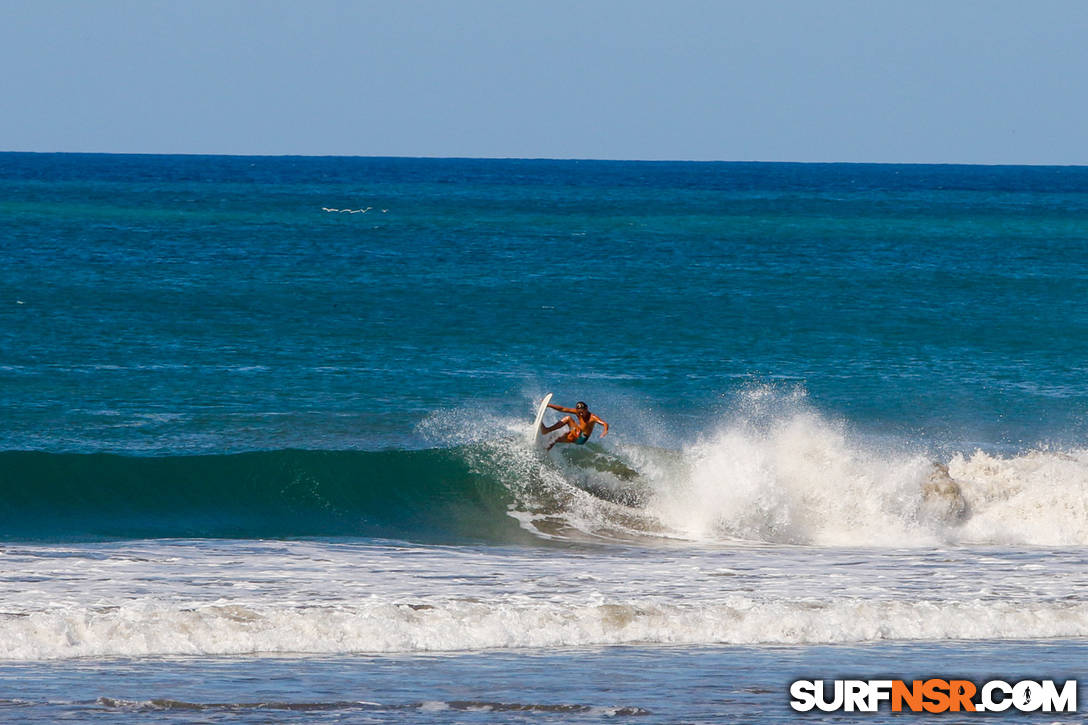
point(266, 451)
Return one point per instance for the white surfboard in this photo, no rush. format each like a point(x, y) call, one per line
point(537, 438)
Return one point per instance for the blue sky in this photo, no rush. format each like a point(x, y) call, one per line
point(967, 81)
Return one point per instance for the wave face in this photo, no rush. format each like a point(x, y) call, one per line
point(786, 478)
point(426, 495)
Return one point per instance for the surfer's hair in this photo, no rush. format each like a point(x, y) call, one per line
point(580, 405)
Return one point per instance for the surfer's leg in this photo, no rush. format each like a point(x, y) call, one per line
point(557, 426)
point(567, 437)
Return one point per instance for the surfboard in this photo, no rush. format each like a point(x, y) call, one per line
point(537, 438)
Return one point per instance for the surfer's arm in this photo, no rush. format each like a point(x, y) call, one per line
point(553, 406)
point(602, 422)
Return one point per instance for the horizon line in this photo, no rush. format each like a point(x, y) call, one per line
point(546, 158)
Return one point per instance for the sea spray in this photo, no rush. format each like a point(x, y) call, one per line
point(797, 480)
point(1039, 497)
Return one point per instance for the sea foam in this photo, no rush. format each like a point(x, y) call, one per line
point(231, 628)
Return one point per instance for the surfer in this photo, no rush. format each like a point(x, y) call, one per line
point(579, 428)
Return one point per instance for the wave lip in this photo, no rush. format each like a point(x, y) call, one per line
point(154, 628)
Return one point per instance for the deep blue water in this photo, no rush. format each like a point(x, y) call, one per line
point(199, 304)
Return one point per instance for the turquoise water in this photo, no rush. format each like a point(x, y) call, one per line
point(192, 304)
point(267, 419)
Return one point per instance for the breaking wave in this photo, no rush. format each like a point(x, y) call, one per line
point(774, 473)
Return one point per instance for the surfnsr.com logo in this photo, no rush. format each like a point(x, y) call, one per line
point(934, 695)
